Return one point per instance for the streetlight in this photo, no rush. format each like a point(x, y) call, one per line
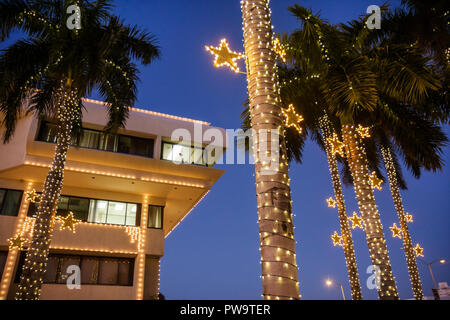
point(428, 264)
point(330, 282)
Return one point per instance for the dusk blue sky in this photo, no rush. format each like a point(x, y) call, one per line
point(214, 253)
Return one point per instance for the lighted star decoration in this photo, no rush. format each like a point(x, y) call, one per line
point(17, 242)
point(396, 231)
point(356, 221)
point(224, 56)
point(68, 222)
point(419, 251)
point(337, 146)
point(32, 196)
point(337, 239)
point(375, 182)
point(331, 202)
point(292, 118)
point(278, 48)
point(364, 132)
point(409, 218)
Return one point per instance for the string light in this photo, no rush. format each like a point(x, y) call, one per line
point(337, 239)
point(331, 203)
point(224, 56)
point(292, 119)
point(337, 146)
point(279, 49)
point(419, 251)
point(410, 255)
point(357, 221)
point(364, 132)
point(68, 222)
point(396, 231)
point(375, 182)
point(17, 242)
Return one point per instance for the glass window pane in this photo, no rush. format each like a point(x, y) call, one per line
point(79, 207)
point(131, 214)
point(125, 273)
point(11, 203)
point(197, 156)
point(181, 154)
point(2, 196)
point(52, 269)
point(116, 213)
point(108, 142)
point(89, 139)
point(124, 144)
point(89, 270)
point(109, 271)
point(98, 211)
point(155, 215)
point(141, 147)
point(63, 206)
point(47, 132)
point(167, 151)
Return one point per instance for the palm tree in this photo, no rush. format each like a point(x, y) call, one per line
point(277, 242)
point(52, 70)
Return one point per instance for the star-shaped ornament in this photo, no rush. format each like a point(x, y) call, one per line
point(364, 132)
point(356, 221)
point(224, 56)
point(337, 239)
point(337, 146)
point(375, 182)
point(409, 218)
point(396, 231)
point(292, 118)
point(331, 202)
point(419, 251)
point(17, 242)
point(32, 196)
point(68, 222)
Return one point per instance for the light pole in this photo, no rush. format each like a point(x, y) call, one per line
point(428, 264)
point(330, 282)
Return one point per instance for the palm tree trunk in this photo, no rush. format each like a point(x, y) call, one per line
point(349, 249)
point(34, 269)
point(407, 243)
point(357, 160)
point(278, 258)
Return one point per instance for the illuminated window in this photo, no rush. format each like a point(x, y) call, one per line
point(10, 202)
point(155, 217)
point(184, 154)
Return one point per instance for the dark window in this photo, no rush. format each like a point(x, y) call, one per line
point(94, 139)
point(10, 202)
point(155, 217)
point(3, 257)
point(94, 270)
point(96, 211)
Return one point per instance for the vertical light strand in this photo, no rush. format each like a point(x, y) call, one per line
point(13, 254)
point(407, 242)
point(275, 217)
point(357, 160)
point(349, 250)
point(141, 251)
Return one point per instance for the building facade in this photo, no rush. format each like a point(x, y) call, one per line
point(127, 191)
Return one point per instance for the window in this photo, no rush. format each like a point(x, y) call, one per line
point(97, 140)
point(184, 154)
point(96, 211)
point(94, 270)
point(10, 202)
point(155, 217)
point(3, 257)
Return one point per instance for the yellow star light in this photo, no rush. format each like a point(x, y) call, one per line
point(17, 242)
point(224, 56)
point(32, 196)
point(292, 118)
point(419, 251)
point(69, 222)
point(337, 239)
point(331, 203)
point(364, 132)
point(278, 48)
point(337, 146)
point(409, 218)
point(375, 182)
point(396, 231)
point(356, 221)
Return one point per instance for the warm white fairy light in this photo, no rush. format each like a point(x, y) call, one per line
point(224, 56)
point(358, 163)
point(410, 255)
